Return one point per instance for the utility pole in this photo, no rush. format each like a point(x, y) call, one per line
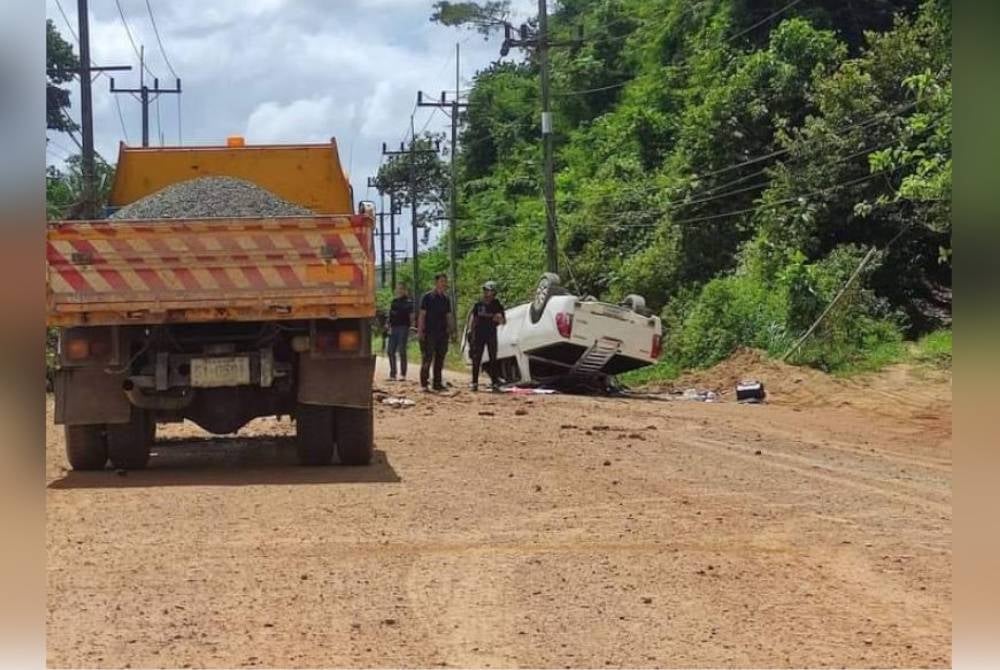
point(455, 105)
point(144, 92)
point(392, 238)
point(552, 258)
point(372, 183)
point(86, 114)
point(411, 154)
point(541, 43)
point(87, 153)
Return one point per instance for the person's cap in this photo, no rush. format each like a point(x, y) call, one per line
point(490, 286)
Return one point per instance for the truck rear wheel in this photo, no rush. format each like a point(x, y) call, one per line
point(315, 434)
point(129, 443)
point(355, 435)
point(86, 448)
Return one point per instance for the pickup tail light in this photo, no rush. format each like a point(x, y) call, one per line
point(657, 347)
point(564, 322)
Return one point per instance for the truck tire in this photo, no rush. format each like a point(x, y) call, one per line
point(314, 434)
point(86, 447)
point(547, 287)
point(355, 435)
point(129, 443)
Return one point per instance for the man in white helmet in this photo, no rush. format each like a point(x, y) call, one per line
point(486, 315)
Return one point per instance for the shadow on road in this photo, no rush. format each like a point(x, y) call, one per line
point(237, 461)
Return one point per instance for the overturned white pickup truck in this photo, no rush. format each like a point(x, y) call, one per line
point(562, 338)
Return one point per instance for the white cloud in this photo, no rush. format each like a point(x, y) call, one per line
point(301, 121)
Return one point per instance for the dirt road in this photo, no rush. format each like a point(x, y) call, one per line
point(537, 531)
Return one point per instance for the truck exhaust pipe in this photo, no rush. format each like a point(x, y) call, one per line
point(156, 402)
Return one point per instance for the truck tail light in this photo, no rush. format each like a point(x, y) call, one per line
point(337, 340)
point(657, 347)
point(88, 343)
point(348, 340)
point(564, 322)
point(325, 342)
point(77, 349)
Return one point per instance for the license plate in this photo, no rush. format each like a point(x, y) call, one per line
point(211, 372)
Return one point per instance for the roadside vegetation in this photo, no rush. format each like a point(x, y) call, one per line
point(734, 162)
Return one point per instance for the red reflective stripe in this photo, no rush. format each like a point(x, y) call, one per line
point(289, 276)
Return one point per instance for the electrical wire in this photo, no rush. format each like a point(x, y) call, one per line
point(156, 31)
point(766, 19)
point(170, 66)
point(622, 84)
point(128, 31)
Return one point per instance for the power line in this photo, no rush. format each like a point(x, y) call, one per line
point(121, 119)
point(773, 15)
point(156, 31)
point(682, 65)
point(128, 31)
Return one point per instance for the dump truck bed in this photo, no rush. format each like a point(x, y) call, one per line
point(202, 270)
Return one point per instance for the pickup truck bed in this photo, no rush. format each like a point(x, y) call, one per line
point(207, 270)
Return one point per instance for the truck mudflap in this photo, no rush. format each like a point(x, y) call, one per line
point(341, 382)
point(90, 395)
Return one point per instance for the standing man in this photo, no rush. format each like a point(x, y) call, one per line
point(400, 322)
point(433, 328)
point(486, 315)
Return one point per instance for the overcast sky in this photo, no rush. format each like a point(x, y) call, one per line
point(278, 71)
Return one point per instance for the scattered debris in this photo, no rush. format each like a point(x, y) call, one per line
point(701, 396)
point(486, 412)
point(398, 402)
point(524, 390)
point(750, 391)
point(520, 411)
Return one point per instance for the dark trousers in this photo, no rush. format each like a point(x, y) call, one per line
point(399, 337)
point(433, 350)
point(479, 344)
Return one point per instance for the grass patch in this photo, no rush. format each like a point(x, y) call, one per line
point(934, 349)
point(662, 371)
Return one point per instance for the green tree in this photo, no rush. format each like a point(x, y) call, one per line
point(484, 17)
point(61, 64)
point(430, 177)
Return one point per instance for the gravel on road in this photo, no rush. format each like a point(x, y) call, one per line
point(210, 197)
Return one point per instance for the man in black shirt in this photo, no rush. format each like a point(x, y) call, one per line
point(486, 315)
point(433, 327)
point(400, 322)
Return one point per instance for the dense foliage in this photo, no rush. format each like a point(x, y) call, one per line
point(60, 62)
point(733, 161)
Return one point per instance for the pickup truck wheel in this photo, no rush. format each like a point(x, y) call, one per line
point(355, 435)
point(547, 287)
point(86, 447)
point(129, 443)
point(314, 433)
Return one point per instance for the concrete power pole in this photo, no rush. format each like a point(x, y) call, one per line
point(552, 257)
point(86, 114)
point(455, 105)
point(144, 92)
point(411, 153)
point(541, 43)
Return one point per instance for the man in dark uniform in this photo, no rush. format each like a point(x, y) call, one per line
point(434, 325)
point(400, 322)
point(486, 315)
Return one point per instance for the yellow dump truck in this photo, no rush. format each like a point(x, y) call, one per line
point(216, 320)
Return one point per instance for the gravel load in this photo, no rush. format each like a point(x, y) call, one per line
point(208, 197)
